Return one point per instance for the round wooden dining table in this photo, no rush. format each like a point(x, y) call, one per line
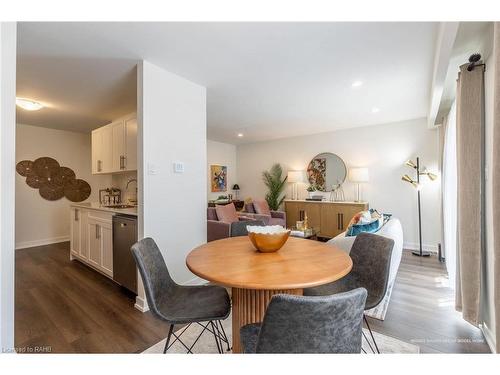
point(255, 277)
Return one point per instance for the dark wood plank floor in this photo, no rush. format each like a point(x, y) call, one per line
point(70, 308)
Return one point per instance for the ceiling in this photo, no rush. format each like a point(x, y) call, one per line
point(472, 37)
point(264, 80)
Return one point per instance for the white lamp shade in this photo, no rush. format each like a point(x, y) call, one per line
point(359, 175)
point(295, 176)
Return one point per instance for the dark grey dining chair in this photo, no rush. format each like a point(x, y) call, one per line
point(371, 260)
point(298, 324)
point(176, 304)
point(239, 228)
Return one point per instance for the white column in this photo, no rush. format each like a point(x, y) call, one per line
point(172, 129)
point(7, 186)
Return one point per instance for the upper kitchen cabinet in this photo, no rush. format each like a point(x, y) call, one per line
point(114, 146)
point(102, 153)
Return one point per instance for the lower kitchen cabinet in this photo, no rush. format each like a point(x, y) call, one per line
point(78, 236)
point(92, 238)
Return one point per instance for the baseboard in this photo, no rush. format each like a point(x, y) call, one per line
point(425, 247)
point(141, 304)
point(489, 336)
point(48, 241)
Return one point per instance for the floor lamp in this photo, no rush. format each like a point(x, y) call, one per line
point(416, 183)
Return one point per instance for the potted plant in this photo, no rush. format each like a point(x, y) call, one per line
point(311, 189)
point(275, 183)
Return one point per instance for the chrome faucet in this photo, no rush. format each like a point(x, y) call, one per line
point(129, 181)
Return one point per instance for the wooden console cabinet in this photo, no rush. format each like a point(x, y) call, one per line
point(328, 218)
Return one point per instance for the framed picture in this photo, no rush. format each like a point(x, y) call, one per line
point(218, 178)
point(316, 173)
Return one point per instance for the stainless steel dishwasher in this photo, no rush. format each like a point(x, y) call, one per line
point(124, 236)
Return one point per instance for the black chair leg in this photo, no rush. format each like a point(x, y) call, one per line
point(217, 339)
point(371, 334)
point(171, 329)
point(225, 336)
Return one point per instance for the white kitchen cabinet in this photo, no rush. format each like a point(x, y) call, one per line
point(114, 146)
point(102, 158)
point(130, 126)
point(75, 231)
point(78, 230)
point(118, 145)
point(92, 238)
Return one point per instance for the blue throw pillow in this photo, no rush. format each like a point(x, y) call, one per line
point(356, 229)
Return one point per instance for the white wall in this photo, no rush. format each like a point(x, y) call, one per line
point(382, 148)
point(39, 221)
point(221, 154)
point(172, 127)
point(488, 310)
point(7, 158)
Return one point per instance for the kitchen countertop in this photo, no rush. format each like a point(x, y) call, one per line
point(99, 207)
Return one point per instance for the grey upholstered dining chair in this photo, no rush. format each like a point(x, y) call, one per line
point(298, 324)
point(371, 259)
point(176, 304)
point(239, 228)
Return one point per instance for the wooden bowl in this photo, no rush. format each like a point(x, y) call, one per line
point(268, 243)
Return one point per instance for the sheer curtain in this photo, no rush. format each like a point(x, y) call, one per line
point(449, 194)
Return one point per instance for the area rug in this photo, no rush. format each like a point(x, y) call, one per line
point(206, 343)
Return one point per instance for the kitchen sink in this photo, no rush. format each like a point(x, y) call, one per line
point(120, 206)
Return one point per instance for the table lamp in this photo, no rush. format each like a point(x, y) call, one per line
point(295, 177)
point(358, 176)
point(236, 189)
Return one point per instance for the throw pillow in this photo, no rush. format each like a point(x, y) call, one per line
point(226, 213)
point(366, 221)
point(261, 207)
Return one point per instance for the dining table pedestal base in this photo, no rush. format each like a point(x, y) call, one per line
point(249, 306)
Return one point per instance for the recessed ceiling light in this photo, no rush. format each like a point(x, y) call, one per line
point(375, 110)
point(240, 135)
point(29, 105)
point(357, 84)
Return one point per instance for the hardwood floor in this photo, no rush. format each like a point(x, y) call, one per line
point(65, 307)
point(421, 310)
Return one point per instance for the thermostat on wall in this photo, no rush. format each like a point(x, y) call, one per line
point(178, 167)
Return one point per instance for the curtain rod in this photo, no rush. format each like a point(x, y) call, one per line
point(473, 59)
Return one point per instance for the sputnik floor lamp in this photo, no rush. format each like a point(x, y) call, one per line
point(418, 186)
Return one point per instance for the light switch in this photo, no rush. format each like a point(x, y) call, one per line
point(152, 168)
point(178, 167)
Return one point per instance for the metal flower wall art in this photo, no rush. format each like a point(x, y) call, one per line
point(52, 180)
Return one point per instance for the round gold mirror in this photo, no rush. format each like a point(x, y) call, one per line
point(325, 171)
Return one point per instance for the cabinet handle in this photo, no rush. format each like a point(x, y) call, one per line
point(76, 215)
point(342, 221)
point(122, 162)
point(97, 234)
point(99, 165)
point(338, 220)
